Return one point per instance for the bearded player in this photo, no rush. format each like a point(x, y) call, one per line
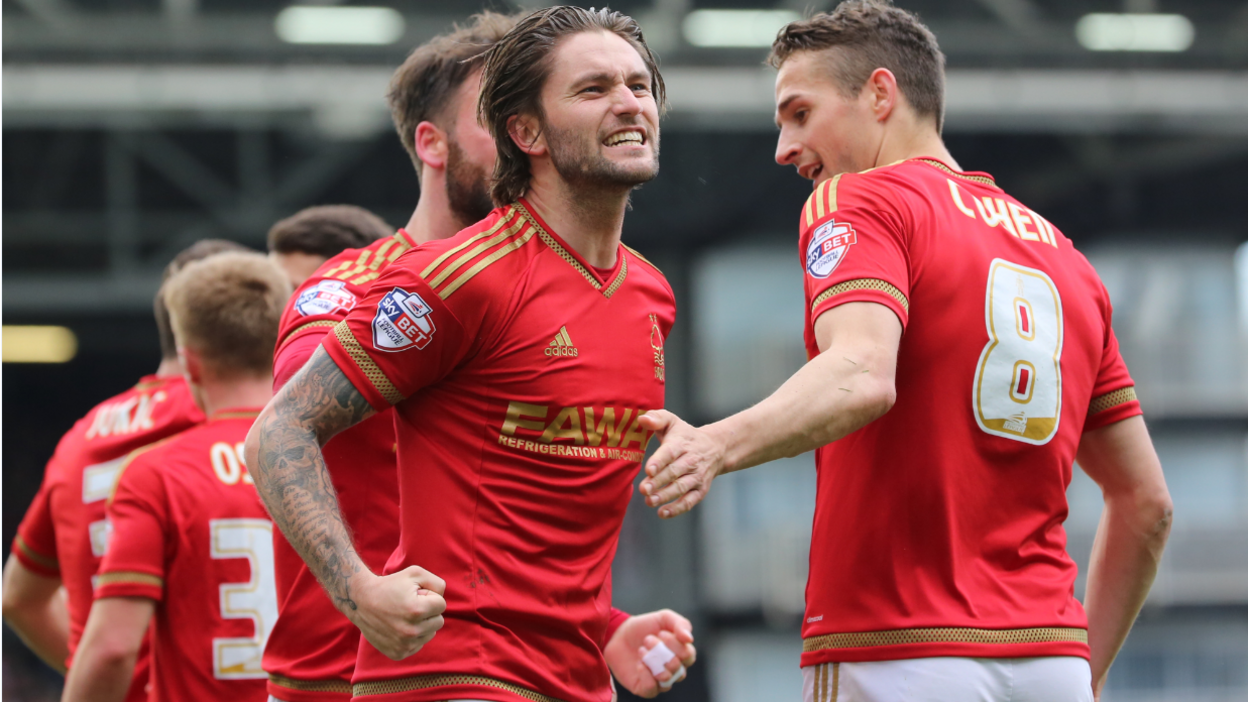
point(192, 549)
point(64, 533)
point(492, 426)
point(961, 358)
point(312, 652)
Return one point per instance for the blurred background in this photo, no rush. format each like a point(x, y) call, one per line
point(134, 127)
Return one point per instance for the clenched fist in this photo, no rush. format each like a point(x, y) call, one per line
point(398, 613)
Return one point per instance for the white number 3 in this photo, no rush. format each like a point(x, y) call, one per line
point(1018, 382)
point(239, 658)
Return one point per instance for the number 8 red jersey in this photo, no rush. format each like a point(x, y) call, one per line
point(938, 527)
point(189, 532)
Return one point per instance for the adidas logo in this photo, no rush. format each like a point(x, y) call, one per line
point(561, 345)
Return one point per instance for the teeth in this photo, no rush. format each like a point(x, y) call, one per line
point(623, 137)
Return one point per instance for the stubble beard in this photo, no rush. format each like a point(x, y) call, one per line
point(580, 164)
point(467, 187)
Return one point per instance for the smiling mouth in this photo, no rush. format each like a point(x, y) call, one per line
point(629, 137)
point(811, 172)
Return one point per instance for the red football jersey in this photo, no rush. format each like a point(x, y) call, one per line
point(189, 531)
point(938, 527)
point(311, 653)
point(64, 533)
point(518, 374)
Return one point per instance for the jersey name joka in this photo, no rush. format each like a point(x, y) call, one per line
point(516, 455)
point(311, 653)
point(189, 531)
point(938, 527)
point(64, 533)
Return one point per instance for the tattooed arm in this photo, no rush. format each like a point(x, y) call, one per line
point(397, 613)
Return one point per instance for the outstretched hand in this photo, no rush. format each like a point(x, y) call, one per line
point(637, 636)
point(680, 472)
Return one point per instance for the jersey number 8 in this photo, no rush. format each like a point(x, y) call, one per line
point(1018, 381)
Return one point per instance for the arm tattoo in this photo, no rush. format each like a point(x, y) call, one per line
point(290, 471)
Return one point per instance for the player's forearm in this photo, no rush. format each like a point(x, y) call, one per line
point(100, 676)
point(836, 393)
point(285, 460)
point(1125, 557)
point(43, 627)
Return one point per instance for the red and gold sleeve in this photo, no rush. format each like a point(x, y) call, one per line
point(400, 338)
point(35, 543)
point(139, 513)
point(1113, 396)
point(854, 248)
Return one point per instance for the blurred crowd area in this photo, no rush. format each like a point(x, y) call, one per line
point(134, 127)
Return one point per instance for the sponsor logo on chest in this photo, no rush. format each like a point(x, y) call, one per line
point(404, 320)
point(326, 297)
point(828, 248)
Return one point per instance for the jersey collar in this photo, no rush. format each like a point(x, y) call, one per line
point(973, 176)
point(235, 413)
point(567, 253)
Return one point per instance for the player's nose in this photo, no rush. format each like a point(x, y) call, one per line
point(787, 150)
point(626, 102)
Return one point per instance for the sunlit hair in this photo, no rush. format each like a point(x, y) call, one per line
point(423, 87)
point(200, 249)
point(327, 230)
point(865, 35)
point(227, 307)
point(516, 70)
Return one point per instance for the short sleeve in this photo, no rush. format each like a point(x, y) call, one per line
point(1113, 396)
point(35, 543)
point(401, 337)
point(615, 621)
point(854, 248)
point(134, 565)
point(294, 355)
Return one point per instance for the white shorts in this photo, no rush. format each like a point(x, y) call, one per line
point(1048, 679)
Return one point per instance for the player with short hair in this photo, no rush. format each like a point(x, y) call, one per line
point(191, 545)
point(961, 358)
point(433, 95)
point(64, 533)
point(456, 335)
point(302, 242)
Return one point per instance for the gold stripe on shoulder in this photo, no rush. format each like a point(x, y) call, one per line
point(469, 242)
point(349, 269)
point(822, 201)
point(302, 327)
point(833, 183)
point(424, 682)
point(45, 561)
point(861, 284)
point(112, 491)
point(644, 260)
point(129, 577)
point(340, 686)
point(900, 637)
point(372, 372)
point(149, 385)
point(473, 253)
point(485, 262)
point(1111, 400)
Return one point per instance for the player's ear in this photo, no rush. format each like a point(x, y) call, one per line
point(881, 93)
point(431, 144)
point(192, 365)
point(526, 132)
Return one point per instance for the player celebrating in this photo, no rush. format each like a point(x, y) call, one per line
point(312, 652)
point(64, 533)
point(433, 95)
point(511, 326)
point(938, 562)
point(302, 242)
point(191, 544)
